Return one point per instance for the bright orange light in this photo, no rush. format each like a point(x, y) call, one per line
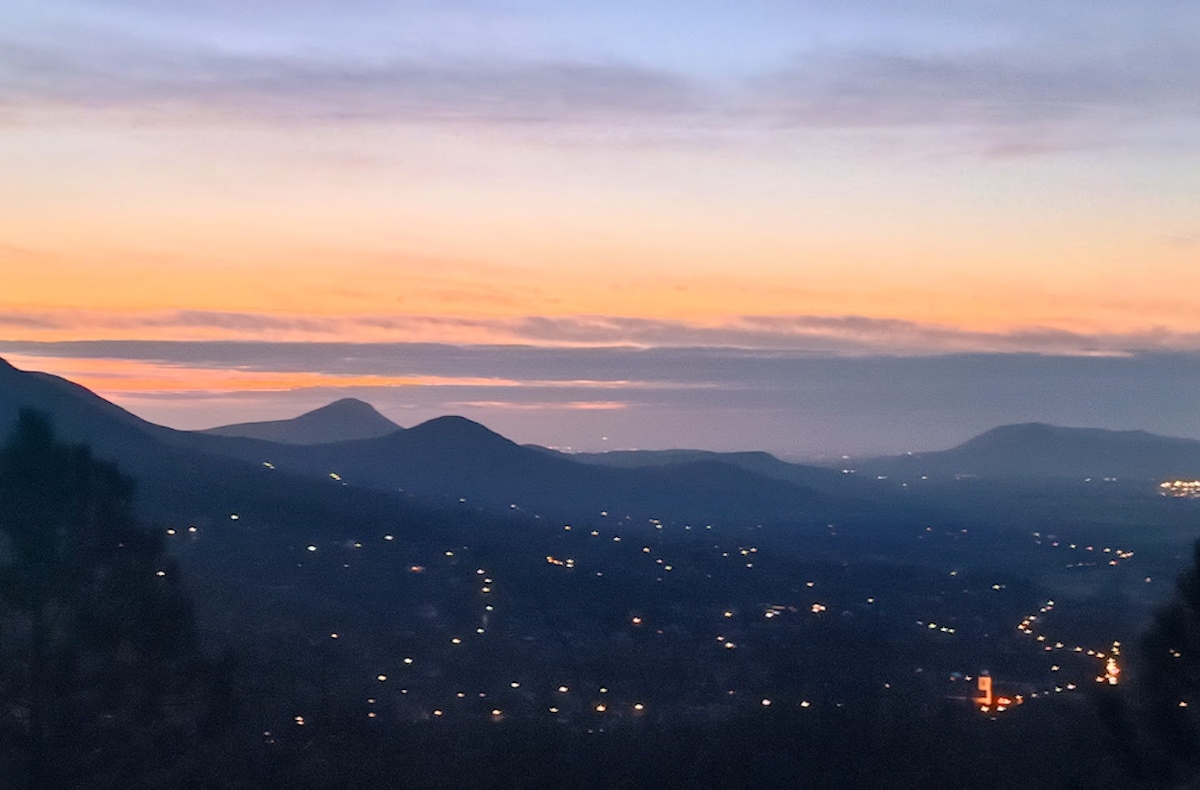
point(1111, 671)
point(984, 699)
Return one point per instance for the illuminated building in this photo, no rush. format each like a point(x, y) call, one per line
point(984, 698)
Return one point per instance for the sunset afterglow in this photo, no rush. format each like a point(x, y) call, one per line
point(859, 179)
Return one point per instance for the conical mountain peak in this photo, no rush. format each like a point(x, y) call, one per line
point(342, 420)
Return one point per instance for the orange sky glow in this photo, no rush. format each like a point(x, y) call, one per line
point(575, 221)
point(826, 180)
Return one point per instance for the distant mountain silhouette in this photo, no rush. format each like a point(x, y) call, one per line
point(452, 459)
point(1048, 451)
point(342, 420)
point(444, 460)
point(756, 462)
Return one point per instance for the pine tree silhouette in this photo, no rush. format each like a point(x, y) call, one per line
point(102, 682)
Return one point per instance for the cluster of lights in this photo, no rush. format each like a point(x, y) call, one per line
point(1112, 670)
point(999, 704)
point(600, 707)
point(1119, 554)
point(1183, 489)
point(944, 629)
point(1004, 703)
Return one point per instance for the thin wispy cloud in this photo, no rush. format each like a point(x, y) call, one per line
point(1009, 96)
point(173, 87)
point(1020, 100)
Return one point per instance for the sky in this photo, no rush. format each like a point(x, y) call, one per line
point(807, 227)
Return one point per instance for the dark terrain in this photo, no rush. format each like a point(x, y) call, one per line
point(709, 615)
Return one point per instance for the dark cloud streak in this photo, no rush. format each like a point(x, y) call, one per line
point(847, 335)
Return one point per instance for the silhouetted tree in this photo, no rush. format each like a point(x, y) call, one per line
point(1167, 689)
point(101, 679)
point(1153, 719)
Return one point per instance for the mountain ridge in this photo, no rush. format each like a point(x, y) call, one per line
point(454, 460)
point(444, 460)
point(1037, 449)
point(758, 462)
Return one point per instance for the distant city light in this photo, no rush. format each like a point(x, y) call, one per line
point(1182, 489)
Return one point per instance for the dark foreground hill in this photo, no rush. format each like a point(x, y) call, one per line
point(179, 476)
point(343, 420)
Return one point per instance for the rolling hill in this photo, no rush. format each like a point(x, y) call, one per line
point(755, 462)
point(453, 459)
point(1037, 450)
